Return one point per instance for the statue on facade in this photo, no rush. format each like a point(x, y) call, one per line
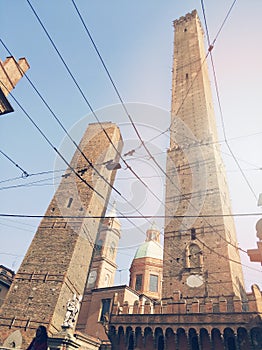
point(72, 310)
point(105, 322)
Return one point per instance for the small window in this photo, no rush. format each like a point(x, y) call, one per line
point(185, 30)
point(69, 202)
point(186, 75)
point(195, 256)
point(112, 249)
point(138, 285)
point(105, 309)
point(193, 233)
point(153, 283)
point(98, 247)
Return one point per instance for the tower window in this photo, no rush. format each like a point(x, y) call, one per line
point(112, 249)
point(98, 247)
point(153, 283)
point(69, 202)
point(185, 30)
point(194, 256)
point(193, 233)
point(138, 285)
point(186, 75)
point(105, 308)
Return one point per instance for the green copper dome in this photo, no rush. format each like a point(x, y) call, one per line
point(149, 249)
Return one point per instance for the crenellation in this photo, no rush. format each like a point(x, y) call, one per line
point(186, 18)
point(177, 305)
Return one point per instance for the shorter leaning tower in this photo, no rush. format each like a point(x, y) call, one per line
point(56, 264)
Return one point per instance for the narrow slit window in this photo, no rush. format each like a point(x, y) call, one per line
point(69, 202)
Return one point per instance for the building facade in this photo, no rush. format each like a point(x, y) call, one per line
point(56, 265)
point(146, 271)
point(183, 300)
point(204, 304)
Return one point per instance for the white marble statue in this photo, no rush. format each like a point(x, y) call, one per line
point(72, 310)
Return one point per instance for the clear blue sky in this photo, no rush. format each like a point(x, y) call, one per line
point(136, 41)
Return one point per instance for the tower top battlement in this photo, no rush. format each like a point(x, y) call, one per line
point(186, 18)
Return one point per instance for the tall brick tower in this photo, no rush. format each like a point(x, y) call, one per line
point(56, 264)
point(201, 258)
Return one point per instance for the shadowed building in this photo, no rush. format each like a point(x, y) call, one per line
point(56, 264)
point(204, 304)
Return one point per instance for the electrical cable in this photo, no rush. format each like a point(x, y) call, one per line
point(123, 104)
point(121, 216)
point(219, 100)
point(86, 100)
point(134, 125)
point(54, 148)
point(24, 173)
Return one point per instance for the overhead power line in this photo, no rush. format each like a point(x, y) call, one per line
point(218, 95)
point(54, 148)
point(130, 118)
point(125, 216)
point(128, 216)
point(24, 173)
point(91, 109)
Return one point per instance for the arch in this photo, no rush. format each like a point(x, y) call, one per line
point(121, 338)
point(217, 340)
point(131, 343)
point(170, 339)
point(149, 340)
point(205, 342)
point(161, 343)
point(194, 257)
point(113, 337)
point(229, 339)
point(159, 339)
point(181, 339)
point(139, 338)
point(256, 337)
point(242, 339)
point(129, 331)
point(193, 339)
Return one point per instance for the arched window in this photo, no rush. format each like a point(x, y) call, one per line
point(112, 249)
point(98, 247)
point(194, 257)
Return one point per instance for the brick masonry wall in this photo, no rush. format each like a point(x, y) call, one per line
point(196, 182)
point(57, 261)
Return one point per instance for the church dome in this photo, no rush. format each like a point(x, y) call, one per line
point(149, 249)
